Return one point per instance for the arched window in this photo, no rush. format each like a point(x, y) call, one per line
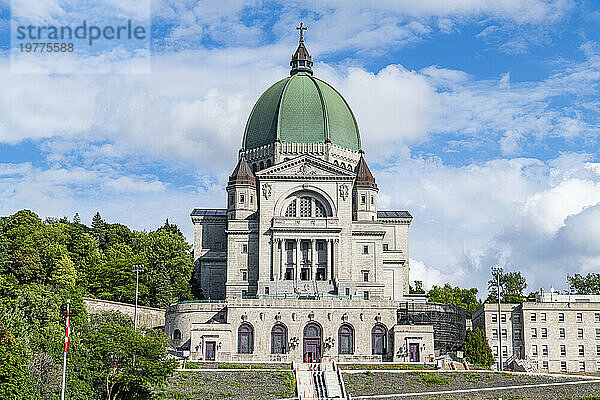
point(177, 334)
point(320, 209)
point(262, 165)
point(346, 339)
point(254, 168)
point(343, 165)
point(268, 163)
point(291, 209)
point(336, 162)
point(378, 339)
point(312, 330)
point(279, 339)
point(305, 206)
point(245, 339)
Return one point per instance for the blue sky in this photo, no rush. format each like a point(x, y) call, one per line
point(480, 117)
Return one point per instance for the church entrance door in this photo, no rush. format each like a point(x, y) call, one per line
point(413, 351)
point(312, 343)
point(210, 351)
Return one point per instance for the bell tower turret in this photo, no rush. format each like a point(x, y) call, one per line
point(365, 192)
point(241, 191)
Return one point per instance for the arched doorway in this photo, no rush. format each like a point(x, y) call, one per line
point(312, 343)
point(379, 339)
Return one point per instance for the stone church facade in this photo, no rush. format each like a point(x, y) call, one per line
point(302, 263)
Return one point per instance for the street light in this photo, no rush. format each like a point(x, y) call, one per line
point(497, 271)
point(137, 269)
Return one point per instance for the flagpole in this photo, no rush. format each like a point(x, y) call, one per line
point(64, 374)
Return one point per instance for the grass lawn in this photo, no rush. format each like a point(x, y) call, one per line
point(378, 383)
point(231, 385)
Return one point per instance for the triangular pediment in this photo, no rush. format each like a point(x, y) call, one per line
point(305, 167)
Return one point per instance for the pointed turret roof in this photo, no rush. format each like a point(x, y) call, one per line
point(364, 177)
point(301, 59)
point(242, 174)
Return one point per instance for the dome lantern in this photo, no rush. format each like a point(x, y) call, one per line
point(301, 59)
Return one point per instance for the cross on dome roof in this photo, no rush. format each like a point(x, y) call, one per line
point(301, 28)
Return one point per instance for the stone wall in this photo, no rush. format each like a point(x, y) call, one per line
point(192, 325)
point(148, 317)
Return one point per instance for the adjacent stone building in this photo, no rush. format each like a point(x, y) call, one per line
point(556, 333)
point(302, 263)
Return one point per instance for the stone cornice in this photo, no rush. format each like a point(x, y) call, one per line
point(211, 218)
point(241, 232)
point(305, 229)
point(310, 163)
point(368, 233)
point(396, 221)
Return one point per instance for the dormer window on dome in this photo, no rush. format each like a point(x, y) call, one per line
point(301, 59)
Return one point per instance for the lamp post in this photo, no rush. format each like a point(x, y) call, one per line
point(497, 271)
point(137, 269)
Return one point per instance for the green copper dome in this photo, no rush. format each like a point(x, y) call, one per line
point(301, 109)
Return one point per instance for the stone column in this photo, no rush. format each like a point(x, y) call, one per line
point(313, 260)
point(298, 259)
point(273, 259)
point(281, 261)
point(329, 269)
point(336, 259)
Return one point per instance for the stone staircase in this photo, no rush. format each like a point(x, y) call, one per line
point(319, 381)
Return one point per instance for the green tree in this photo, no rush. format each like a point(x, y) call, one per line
point(15, 383)
point(477, 349)
point(113, 345)
point(168, 268)
point(98, 230)
point(584, 284)
point(418, 289)
point(512, 288)
point(447, 294)
point(114, 279)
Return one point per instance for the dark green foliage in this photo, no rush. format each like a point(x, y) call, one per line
point(476, 348)
point(512, 288)
point(15, 383)
point(418, 289)
point(122, 362)
point(44, 263)
point(584, 284)
point(447, 294)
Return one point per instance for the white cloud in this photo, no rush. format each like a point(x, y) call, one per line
point(524, 214)
point(141, 202)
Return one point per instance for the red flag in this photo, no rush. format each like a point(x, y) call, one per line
point(67, 332)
